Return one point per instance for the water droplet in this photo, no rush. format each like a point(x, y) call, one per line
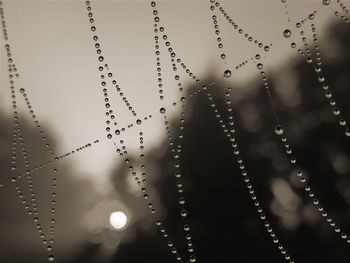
point(287, 33)
point(318, 69)
point(321, 78)
point(347, 132)
point(193, 258)
point(181, 200)
point(22, 90)
point(260, 66)
point(336, 111)
point(162, 110)
point(138, 121)
point(51, 258)
point(227, 73)
point(279, 130)
point(326, 2)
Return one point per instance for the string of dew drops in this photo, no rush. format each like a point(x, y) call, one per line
point(279, 130)
point(17, 132)
point(317, 66)
point(177, 150)
point(344, 10)
point(183, 211)
point(31, 169)
point(142, 184)
point(285, 7)
point(162, 110)
point(230, 133)
point(217, 4)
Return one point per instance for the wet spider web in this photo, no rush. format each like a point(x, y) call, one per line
point(301, 35)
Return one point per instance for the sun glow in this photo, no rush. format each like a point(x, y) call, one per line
point(118, 220)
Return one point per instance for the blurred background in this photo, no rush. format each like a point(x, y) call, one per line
point(52, 48)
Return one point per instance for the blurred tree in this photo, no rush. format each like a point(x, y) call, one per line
point(20, 241)
point(225, 225)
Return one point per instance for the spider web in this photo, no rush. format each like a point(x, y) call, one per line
point(116, 132)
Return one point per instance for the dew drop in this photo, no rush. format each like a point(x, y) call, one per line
point(326, 2)
point(287, 33)
point(227, 73)
point(336, 111)
point(21, 90)
point(181, 200)
point(51, 258)
point(162, 110)
point(193, 258)
point(342, 122)
point(279, 130)
point(318, 69)
point(347, 132)
point(260, 66)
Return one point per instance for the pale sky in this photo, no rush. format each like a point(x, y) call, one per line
point(53, 49)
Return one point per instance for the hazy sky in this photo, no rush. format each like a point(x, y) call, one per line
point(53, 50)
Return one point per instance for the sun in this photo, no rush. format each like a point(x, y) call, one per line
point(118, 220)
